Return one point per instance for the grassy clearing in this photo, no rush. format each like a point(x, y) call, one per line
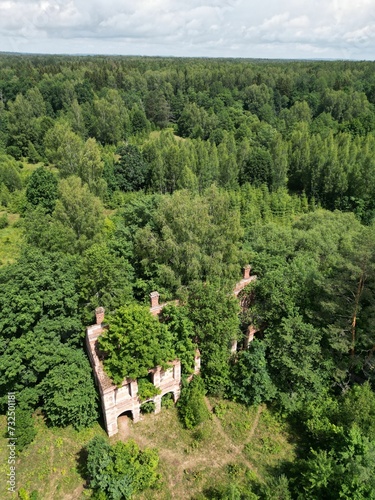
point(271, 445)
point(50, 465)
point(237, 445)
point(155, 134)
point(236, 420)
point(28, 168)
point(266, 443)
point(10, 239)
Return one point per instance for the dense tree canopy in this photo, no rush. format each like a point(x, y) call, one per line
point(42, 189)
point(121, 176)
point(134, 343)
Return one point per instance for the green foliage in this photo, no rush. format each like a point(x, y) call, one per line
point(190, 238)
point(91, 167)
point(75, 224)
point(230, 491)
point(167, 401)
point(44, 232)
point(214, 313)
point(251, 383)
point(120, 471)
point(79, 211)
point(157, 108)
point(105, 278)
point(134, 343)
point(148, 407)
point(4, 221)
point(130, 169)
point(39, 314)
point(340, 462)
point(68, 392)
point(9, 173)
point(108, 119)
point(182, 330)
point(42, 189)
point(310, 291)
point(4, 195)
point(25, 431)
point(276, 489)
point(345, 472)
point(24, 495)
point(63, 148)
point(261, 117)
point(357, 407)
point(146, 390)
point(39, 292)
point(302, 134)
point(191, 406)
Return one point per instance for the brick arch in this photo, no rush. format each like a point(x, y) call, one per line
point(118, 400)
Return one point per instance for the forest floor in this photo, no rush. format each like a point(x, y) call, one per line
point(237, 444)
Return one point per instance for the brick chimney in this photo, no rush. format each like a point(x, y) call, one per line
point(99, 313)
point(246, 272)
point(154, 298)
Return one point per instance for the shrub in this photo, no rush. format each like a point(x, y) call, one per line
point(191, 405)
point(4, 221)
point(25, 430)
point(148, 407)
point(120, 471)
point(146, 390)
point(167, 401)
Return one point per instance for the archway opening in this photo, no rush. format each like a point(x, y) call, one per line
point(126, 414)
point(167, 401)
point(124, 421)
point(147, 407)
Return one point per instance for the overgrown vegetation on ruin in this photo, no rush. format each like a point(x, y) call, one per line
point(121, 176)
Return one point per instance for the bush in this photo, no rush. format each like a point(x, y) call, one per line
point(146, 390)
point(203, 432)
point(191, 405)
point(17, 202)
point(25, 430)
point(120, 471)
point(148, 407)
point(4, 221)
point(167, 401)
point(4, 195)
point(24, 495)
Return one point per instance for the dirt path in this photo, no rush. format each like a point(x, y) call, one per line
point(255, 424)
point(236, 449)
point(123, 428)
point(181, 463)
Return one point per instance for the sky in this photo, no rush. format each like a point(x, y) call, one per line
point(287, 29)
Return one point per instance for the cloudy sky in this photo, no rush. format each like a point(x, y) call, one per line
point(343, 29)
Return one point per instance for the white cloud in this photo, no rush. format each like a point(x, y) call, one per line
point(286, 28)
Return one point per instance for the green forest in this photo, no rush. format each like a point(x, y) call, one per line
point(120, 176)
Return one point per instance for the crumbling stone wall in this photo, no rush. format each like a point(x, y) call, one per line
point(117, 400)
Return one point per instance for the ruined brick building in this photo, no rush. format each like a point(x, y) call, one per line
point(119, 400)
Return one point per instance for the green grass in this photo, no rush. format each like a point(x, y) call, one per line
point(155, 134)
point(10, 240)
point(265, 441)
point(272, 444)
point(236, 445)
point(237, 420)
point(50, 465)
point(28, 168)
